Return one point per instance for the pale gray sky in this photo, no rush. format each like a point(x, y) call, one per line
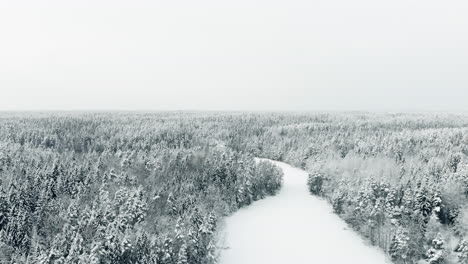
point(234, 55)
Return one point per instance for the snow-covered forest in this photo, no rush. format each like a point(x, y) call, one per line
point(121, 188)
point(155, 187)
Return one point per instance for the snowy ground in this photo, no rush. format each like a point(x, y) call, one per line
point(293, 227)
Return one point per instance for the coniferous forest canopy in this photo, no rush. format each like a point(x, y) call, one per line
point(154, 187)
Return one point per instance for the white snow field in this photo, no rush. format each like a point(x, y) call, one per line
point(293, 227)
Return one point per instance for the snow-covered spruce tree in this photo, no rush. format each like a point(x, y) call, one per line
point(76, 253)
point(144, 250)
point(182, 257)
point(436, 253)
point(462, 251)
point(453, 161)
point(338, 202)
point(244, 195)
point(399, 247)
point(179, 231)
point(166, 254)
point(315, 182)
point(267, 179)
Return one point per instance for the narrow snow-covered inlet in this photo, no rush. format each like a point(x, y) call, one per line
point(293, 227)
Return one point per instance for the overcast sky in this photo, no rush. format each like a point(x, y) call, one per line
point(234, 55)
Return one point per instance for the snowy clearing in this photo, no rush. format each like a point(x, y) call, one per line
point(293, 227)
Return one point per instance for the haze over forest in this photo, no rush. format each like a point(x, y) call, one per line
point(238, 55)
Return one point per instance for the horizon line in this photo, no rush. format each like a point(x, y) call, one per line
point(109, 110)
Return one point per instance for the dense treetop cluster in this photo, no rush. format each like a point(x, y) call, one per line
point(400, 180)
point(121, 187)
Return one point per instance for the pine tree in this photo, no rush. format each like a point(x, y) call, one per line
point(179, 231)
point(193, 247)
point(399, 247)
point(338, 202)
point(171, 201)
point(3, 210)
point(462, 250)
point(453, 161)
point(17, 231)
point(196, 219)
point(182, 257)
point(315, 183)
point(94, 256)
point(424, 202)
point(73, 214)
point(144, 251)
point(167, 251)
point(212, 257)
point(75, 254)
point(436, 254)
point(111, 249)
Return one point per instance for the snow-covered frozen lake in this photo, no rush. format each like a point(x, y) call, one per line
point(293, 227)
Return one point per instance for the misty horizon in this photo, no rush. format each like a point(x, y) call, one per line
point(243, 56)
